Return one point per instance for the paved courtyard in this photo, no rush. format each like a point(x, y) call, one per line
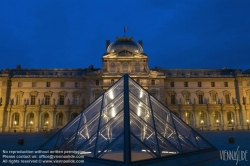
point(32, 141)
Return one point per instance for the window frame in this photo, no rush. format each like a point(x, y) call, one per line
point(48, 84)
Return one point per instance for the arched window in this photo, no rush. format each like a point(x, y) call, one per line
point(59, 119)
point(189, 118)
point(217, 119)
point(112, 67)
point(74, 115)
point(125, 67)
point(137, 67)
point(45, 120)
point(203, 118)
point(30, 120)
point(15, 119)
point(230, 118)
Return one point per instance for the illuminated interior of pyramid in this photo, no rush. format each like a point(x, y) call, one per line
point(127, 123)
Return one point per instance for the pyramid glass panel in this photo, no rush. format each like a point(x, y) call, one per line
point(139, 151)
point(149, 131)
point(113, 92)
point(114, 151)
point(138, 91)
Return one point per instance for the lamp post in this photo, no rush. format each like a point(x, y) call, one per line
point(232, 124)
point(202, 125)
point(217, 122)
point(46, 124)
point(247, 124)
point(31, 124)
point(15, 123)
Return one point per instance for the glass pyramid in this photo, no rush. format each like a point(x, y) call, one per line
point(127, 124)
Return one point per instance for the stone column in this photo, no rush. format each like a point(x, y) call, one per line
point(39, 119)
point(223, 124)
point(237, 120)
point(23, 124)
point(195, 116)
point(7, 128)
point(208, 118)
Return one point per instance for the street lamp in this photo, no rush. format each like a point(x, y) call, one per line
point(31, 124)
point(217, 121)
point(46, 125)
point(232, 124)
point(247, 124)
point(15, 123)
point(202, 124)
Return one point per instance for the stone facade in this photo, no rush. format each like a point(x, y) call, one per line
point(33, 100)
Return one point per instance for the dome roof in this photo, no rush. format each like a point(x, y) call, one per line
point(124, 44)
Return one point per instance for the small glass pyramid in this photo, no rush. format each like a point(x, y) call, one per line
point(127, 124)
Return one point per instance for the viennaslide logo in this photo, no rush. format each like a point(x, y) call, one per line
point(233, 155)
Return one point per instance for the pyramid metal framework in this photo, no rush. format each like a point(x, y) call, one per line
point(126, 124)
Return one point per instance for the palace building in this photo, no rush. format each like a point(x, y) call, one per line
point(34, 100)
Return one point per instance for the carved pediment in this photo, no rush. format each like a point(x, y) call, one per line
point(184, 93)
point(212, 92)
point(125, 53)
point(62, 93)
point(199, 92)
point(48, 93)
point(77, 93)
point(171, 93)
point(19, 93)
point(226, 92)
point(34, 93)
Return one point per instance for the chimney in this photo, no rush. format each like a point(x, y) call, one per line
point(140, 42)
point(107, 43)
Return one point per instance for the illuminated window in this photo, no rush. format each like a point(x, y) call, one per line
point(30, 120)
point(186, 98)
point(188, 118)
point(45, 120)
point(214, 98)
point(230, 117)
point(15, 121)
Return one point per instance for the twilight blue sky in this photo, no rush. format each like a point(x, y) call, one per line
point(175, 33)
